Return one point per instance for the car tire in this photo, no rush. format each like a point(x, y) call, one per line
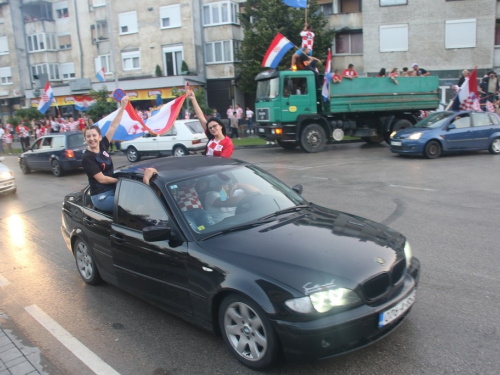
point(495, 147)
point(313, 138)
point(398, 125)
point(288, 145)
point(180, 151)
point(133, 155)
point(432, 150)
point(247, 331)
point(56, 168)
point(85, 263)
point(373, 140)
point(24, 167)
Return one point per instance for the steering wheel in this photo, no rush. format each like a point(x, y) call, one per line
point(245, 204)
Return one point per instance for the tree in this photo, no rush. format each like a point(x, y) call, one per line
point(102, 107)
point(262, 20)
point(28, 114)
point(158, 71)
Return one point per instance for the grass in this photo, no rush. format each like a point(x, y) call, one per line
point(255, 141)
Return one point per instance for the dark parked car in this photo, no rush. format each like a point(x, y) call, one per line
point(445, 132)
point(229, 247)
point(58, 152)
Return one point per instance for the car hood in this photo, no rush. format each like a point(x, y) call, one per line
point(313, 247)
point(404, 133)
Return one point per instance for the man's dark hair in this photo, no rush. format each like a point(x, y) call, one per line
point(350, 66)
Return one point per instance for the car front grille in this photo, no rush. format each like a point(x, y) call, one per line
point(380, 284)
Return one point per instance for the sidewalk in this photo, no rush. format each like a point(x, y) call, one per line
point(15, 357)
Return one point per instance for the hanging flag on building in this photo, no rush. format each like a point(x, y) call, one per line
point(468, 97)
point(278, 48)
point(46, 99)
point(328, 77)
point(100, 75)
point(296, 3)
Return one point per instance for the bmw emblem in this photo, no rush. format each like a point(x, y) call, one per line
point(380, 261)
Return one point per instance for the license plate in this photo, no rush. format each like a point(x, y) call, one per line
point(396, 311)
point(262, 130)
point(396, 143)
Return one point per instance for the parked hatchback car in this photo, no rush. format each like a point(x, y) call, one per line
point(7, 179)
point(230, 248)
point(184, 137)
point(57, 152)
point(445, 132)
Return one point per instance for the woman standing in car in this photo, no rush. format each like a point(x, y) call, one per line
point(219, 144)
point(98, 164)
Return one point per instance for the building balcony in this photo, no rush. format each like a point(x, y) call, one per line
point(37, 10)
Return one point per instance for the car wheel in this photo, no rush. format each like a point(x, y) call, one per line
point(288, 145)
point(85, 263)
point(133, 155)
point(432, 150)
point(373, 140)
point(56, 168)
point(398, 125)
point(313, 138)
point(495, 146)
point(24, 167)
point(247, 331)
point(180, 151)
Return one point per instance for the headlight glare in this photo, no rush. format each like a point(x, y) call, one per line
point(393, 134)
point(408, 254)
point(301, 305)
point(6, 175)
point(415, 136)
point(326, 300)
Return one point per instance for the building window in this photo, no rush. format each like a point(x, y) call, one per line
point(54, 72)
point(393, 38)
point(220, 52)
point(497, 33)
point(98, 3)
point(64, 41)
point(103, 61)
point(220, 13)
point(349, 44)
point(350, 6)
point(6, 76)
point(173, 60)
point(170, 16)
point(131, 60)
point(326, 9)
point(42, 42)
point(386, 3)
point(4, 45)
point(68, 71)
point(38, 69)
point(461, 34)
point(128, 23)
point(61, 10)
point(99, 31)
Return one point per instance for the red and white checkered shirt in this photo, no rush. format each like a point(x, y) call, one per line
point(187, 198)
point(223, 148)
point(307, 39)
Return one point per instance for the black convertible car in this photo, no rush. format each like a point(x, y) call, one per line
point(227, 246)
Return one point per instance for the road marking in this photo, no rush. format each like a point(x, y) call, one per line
point(319, 178)
point(4, 281)
point(83, 353)
point(410, 187)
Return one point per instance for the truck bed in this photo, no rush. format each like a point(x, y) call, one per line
point(382, 94)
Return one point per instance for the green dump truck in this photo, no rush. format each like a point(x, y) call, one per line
point(290, 109)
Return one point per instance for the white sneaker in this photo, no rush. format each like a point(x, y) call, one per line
point(267, 142)
point(248, 131)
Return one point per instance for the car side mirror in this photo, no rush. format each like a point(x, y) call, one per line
point(156, 233)
point(452, 126)
point(298, 189)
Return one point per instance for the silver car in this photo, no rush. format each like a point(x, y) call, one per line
point(7, 180)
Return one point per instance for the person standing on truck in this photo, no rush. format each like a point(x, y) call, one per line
point(350, 73)
point(420, 72)
point(337, 78)
point(307, 38)
point(461, 80)
point(303, 61)
point(394, 74)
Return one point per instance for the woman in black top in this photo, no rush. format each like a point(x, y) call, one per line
point(98, 164)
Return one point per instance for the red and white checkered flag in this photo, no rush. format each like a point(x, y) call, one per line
point(490, 106)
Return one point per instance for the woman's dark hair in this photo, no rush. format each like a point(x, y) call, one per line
point(95, 127)
point(210, 136)
point(382, 72)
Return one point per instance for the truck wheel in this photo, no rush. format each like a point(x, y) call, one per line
point(288, 145)
point(373, 140)
point(313, 138)
point(398, 125)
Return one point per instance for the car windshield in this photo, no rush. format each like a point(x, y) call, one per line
point(220, 201)
point(195, 127)
point(434, 120)
point(76, 140)
point(268, 89)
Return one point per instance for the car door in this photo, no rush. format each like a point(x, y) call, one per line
point(461, 136)
point(167, 140)
point(147, 143)
point(483, 128)
point(44, 153)
point(298, 98)
point(157, 271)
point(31, 156)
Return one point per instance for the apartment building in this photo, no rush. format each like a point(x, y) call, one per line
point(67, 42)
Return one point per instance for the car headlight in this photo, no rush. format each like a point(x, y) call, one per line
point(6, 175)
point(415, 136)
point(323, 301)
point(408, 254)
point(393, 133)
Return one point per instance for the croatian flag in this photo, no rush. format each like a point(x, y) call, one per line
point(100, 75)
point(276, 51)
point(296, 3)
point(46, 99)
point(82, 103)
point(467, 98)
point(490, 107)
point(328, 77)
point(164, 118)
point(130, 127)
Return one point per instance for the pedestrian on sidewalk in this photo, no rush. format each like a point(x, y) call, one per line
point(249, 115)
point(234, 125)
point(24, 135)
point(2, 132)
point(7, 140)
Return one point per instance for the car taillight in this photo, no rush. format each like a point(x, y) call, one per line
point(69, 153)
point(196, 141)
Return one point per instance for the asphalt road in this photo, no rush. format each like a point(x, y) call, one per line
point(448, 208)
